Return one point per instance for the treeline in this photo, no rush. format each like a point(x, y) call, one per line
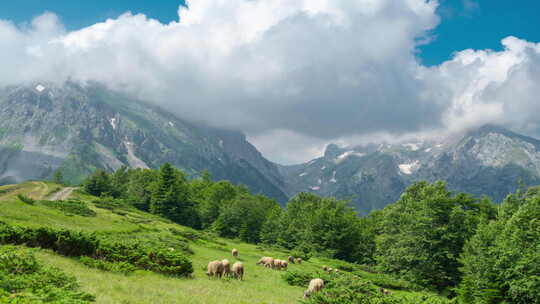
point(466, 247)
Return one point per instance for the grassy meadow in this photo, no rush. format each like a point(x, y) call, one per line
point(260, 285)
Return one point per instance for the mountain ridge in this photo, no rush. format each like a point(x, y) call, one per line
point(80, 128)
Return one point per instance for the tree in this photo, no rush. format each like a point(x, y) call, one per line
point(58, 177)
point(422, 235)
point(98, 184)
point(214, 198)
point(501, 263)
point(244, 216)
point(170, 198)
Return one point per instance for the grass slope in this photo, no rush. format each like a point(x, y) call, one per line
point(261, 285)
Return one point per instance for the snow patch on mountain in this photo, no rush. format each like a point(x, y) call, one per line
point(412, 146)
point(333, 179)
point(113, 123)
point(346, 154)
point(409, 168)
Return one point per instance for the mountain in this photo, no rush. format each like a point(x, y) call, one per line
point(77, 129)
point(486, 161)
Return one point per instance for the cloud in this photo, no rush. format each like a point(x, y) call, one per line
point(485, 86)
point(292, 74)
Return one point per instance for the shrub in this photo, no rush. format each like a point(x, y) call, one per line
point(119, 267)
point(70, 243)
point(26, 199)
point(24, 280)
point(387, 281)
point(302, 278)
point(304, 254)
point(71, 207)
point(349, 289)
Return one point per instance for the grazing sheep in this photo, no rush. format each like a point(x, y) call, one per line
point(330, 269)
point(226, 267)
point(325, 268)
point(266, 261)
point(385, 291)
point(291, 259)
point(277, 264)
point(314, 286)
point(299, 260)
point(284, 264)
point(234, 252)
point(215, 269)
point(238, 270)
point(336, 270)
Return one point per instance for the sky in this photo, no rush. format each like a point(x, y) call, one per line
point(294, 75)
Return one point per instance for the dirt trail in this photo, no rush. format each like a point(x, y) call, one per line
point(62, 194)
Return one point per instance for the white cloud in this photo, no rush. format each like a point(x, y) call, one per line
point(293, 74)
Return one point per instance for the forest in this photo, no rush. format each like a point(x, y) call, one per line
point(466, 248)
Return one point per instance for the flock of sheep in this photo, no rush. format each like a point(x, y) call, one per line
point(223, 268)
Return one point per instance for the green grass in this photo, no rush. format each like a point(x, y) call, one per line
point(260, 285)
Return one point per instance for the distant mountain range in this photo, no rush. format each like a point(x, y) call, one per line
point(486, 161)
point(78, 129)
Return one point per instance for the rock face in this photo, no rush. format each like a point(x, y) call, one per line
point(489, 160)
point(78, 129)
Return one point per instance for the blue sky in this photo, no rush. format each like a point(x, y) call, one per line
point(481, 24)
point(477, 24)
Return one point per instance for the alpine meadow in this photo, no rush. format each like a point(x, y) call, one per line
point(269, 152)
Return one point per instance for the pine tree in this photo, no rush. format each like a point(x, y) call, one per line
point(163, 198)
point(98, 183)
point(58, 177)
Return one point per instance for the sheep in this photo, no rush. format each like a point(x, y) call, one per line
point(215, 269)
point(226, 267)
point(330, 269)
point(266, 261)
point(336, 270)
point(315, 285)
point(284, 264)
point(325, 268)
point(299, 260)
point(238, 270)
point(234, 252)
point(291, 259)
point(277, 264)
point(385, 291)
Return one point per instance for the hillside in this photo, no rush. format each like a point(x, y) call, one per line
point(261, 285)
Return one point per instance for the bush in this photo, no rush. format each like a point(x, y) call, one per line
point(71, 207)
point(387, 281)
point(26, 199)
point(65, 242)
point(304, 254)
point(302, 278)
point(24, 280)
point(77, 244)
point(119, 267)
point(349, 289)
